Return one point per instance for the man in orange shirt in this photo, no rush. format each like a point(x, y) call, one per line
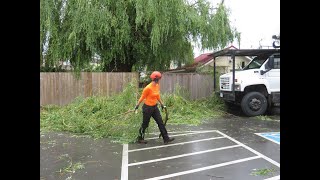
point(151, 95)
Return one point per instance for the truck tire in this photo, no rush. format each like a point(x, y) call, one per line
point(254, 104)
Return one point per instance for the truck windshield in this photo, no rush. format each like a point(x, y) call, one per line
point(256, 63)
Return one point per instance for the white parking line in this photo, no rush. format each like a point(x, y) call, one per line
point(124, 168)
point(252, 150)
point(203, 168)
point(175, 144)
point(195, 132)
point(274, 178)
point(182, 155)
point(173, 132)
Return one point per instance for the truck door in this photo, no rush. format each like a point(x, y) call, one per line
point(273, 76)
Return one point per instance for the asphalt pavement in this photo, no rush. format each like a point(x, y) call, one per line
point(231, 147)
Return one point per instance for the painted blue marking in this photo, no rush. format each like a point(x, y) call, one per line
point(271, 136)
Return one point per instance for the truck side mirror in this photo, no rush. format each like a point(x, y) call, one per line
point(242, 65)
point(269, 65)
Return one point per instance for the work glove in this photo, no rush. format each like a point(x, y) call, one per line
point(163, 107)
point(136, 109)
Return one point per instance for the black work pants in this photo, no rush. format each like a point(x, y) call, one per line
point(148, 112)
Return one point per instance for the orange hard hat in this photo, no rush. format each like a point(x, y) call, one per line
point(155, 74)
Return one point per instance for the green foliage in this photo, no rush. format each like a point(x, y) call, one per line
point(263, 172)
point(146, 79)
point(238, 37)
point(96, 116)
point(71, 167)
point(113, 116)
point(264, 118)
point(93, 68)
point(129, 33)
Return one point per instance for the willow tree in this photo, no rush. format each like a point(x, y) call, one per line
point(130, 33)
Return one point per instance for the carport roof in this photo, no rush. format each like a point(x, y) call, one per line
point(244, 52)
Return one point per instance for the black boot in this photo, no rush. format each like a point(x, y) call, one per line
point(141, 141)
point(168, 140)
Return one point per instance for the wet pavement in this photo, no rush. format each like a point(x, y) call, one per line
point(66, 156)
point(226, 148)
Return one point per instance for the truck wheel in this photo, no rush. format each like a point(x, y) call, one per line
point(254, 104)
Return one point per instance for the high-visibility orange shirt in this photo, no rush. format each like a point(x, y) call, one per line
point(151, 93)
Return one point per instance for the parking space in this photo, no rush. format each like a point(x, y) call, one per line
point(205, 154)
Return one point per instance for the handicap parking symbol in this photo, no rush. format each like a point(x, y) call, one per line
point(272, 136)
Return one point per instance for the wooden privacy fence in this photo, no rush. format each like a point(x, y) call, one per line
point(61, 88)
point(197, 85)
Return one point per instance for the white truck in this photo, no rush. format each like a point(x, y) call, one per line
point(256, 87)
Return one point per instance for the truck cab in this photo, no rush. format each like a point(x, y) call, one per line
point(256, 87)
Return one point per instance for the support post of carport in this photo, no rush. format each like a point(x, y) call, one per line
point(214, 74)
point(233, 73)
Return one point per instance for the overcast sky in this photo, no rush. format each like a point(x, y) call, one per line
point(257, 20)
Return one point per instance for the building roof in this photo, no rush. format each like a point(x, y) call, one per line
point(204, 58)
point(200, 60)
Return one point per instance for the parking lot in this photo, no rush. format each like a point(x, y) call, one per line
point(205, 154)
point(232, 148)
